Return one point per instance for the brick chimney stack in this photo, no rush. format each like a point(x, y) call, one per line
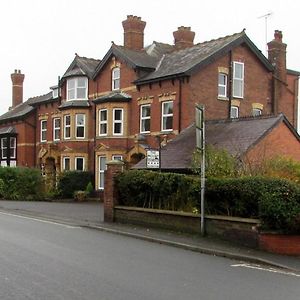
point(134, 32)
point(277, 55)
point(183, 37)
point(17, 79)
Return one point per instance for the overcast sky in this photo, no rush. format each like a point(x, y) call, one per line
point(41, 37)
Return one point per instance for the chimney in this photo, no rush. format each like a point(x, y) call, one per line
point(17, 88)
point(134, 32)
point(183, 37)
point(277, 55)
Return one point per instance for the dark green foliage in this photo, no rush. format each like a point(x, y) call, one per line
point(276, 202)
point(21, 184)
point(89, 189)
point(279, 207)
point(72, 181)
point(157, 190)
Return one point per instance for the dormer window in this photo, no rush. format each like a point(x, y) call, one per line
point(77, 88)
point(115, 79)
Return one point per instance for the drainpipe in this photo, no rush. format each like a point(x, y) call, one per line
point(180, 105)
point(230, 85)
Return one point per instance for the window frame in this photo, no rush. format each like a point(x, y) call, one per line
point(64, 163)
point(144, 119)
point(117, 157)
point(224, 86)
point(168, 115)
point(121, 121)
point(103, 122)
point(236, 80)
point(14, 147)
point(237, 109)
point(76, 163)
point(4, 148)
point(67, 126)
point(56, 129)
point(76, 88)
point(115, 79)
point(258, 110)
point(43, 136)
point(80, 126)
point(101, 172)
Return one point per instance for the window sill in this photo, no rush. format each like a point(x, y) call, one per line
point(223, 98)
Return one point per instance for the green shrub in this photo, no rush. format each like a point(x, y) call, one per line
point(279, 207)
point(71, 181)
point(21, 184)
point(156, 190)
point(89, 188)
point(276, 202)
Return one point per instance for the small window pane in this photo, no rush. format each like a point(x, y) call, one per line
point(79, 163)
point(118, 114)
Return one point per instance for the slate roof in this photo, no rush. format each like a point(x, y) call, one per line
point(186, 61)
point(237, 136)
point(25, 108)
point(7, 130)
point(82, 66)
point(136, 59)
point(116, 96)
point(75, 103)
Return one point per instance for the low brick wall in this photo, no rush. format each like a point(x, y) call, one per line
point(279, 243)
point(239, 230)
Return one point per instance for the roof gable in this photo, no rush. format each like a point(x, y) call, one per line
point(82, 66)
point(134, 58)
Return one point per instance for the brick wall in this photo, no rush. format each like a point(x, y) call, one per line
point(280, 141)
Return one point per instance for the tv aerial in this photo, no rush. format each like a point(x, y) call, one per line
point(266, 16)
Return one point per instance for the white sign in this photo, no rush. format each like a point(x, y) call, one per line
point(153, 159)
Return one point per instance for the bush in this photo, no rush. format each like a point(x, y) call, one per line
point(156, 190)
point(279, 207)
point(276, 202)
point(71, 181)
point(21, 183)
point(89, 189)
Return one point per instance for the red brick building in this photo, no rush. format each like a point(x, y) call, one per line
point(115, 108)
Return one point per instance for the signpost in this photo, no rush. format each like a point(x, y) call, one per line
point(200, 143)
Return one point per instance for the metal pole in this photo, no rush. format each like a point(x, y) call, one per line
point(203, 179)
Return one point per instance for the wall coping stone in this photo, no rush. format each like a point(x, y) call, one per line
point(186, 214)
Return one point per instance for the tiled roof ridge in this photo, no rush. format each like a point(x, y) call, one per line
point(245, 118)
point(35, 97)
point(221, 38)
point(89, 58)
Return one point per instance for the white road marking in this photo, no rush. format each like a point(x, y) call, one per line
point(272, 270)
point(39, 220)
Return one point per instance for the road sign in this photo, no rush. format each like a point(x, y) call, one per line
point(152, 159)
point(199, 121)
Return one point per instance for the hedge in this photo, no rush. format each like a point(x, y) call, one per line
point(276, 202)
point(21, 184)
point(72, 181)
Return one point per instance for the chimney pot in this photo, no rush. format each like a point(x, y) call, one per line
point(183, 37)
point(134, 32)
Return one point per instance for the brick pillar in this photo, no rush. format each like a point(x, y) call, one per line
point(114, 168)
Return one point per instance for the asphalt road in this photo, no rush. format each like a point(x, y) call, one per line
point(45, 260)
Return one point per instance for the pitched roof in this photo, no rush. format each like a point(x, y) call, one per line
point(82, 66)
point(75, 103)
point(135, 58)
point(186, 61)
point(25, 108)
point(8, 130)
point(237, 136)
point(116, 96)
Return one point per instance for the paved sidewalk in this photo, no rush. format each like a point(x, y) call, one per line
point(90, 215)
